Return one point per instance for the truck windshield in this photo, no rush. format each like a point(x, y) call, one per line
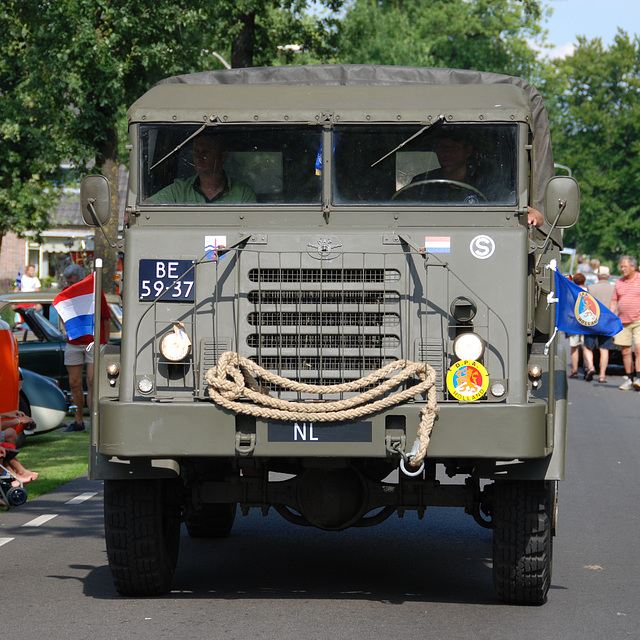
point(446, 164)
point(226, 165)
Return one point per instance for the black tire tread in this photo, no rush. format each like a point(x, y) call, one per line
point(522, 541)
point(142, 536)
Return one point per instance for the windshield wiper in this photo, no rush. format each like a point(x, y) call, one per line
point(441, 118)
point(179, 146)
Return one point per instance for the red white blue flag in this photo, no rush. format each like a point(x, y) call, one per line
point(76, 306)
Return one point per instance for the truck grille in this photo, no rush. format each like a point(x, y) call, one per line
point(324, 325)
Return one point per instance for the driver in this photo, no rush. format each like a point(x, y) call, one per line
point(454, 152)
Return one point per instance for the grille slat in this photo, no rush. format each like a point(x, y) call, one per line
point(322, 319)
point(323, 275)
point(322, 363)
point(322, 341)
point(324, 297)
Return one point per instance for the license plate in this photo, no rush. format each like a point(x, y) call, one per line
point(319, 432)
point(162, 279)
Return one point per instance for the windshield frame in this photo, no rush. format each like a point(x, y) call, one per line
point(412, 136)
point(274, 177)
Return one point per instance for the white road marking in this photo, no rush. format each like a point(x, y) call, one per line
point(82, 497)
point(5, 540)
point(36, 522)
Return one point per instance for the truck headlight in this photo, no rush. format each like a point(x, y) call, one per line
point(468, 346)
point(175, 345)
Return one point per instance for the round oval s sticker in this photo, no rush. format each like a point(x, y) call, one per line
point(482, 247)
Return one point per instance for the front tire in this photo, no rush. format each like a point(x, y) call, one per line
point(142, 531)
point(522, 540)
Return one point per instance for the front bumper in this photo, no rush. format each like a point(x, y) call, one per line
point(181, 429)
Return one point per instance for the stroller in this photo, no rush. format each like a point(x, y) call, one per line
point(12, 496)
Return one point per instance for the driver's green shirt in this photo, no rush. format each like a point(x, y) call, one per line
point(186, 191)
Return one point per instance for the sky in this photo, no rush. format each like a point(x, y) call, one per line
point(590, 18)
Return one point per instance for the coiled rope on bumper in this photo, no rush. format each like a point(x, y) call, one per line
point(234, 377)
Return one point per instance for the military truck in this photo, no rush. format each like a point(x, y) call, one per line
point(334, 321)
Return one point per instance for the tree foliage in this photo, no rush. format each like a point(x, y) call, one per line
point(488, 35)
point(75, 82)
point(594, 100)
point(29, 165)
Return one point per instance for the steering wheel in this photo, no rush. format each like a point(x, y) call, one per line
point(455, 183)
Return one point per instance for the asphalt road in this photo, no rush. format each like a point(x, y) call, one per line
point(404, 579)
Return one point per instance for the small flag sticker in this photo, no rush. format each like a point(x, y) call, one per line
point(437, 244)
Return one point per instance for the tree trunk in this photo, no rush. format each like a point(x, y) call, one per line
point(242, 47)
point(108, 162)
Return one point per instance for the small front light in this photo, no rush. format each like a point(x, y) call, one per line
point(145, 385)
point(535, 371)
point(175, 345)
point(113, 370)
point(497, 390)
point(468, 346)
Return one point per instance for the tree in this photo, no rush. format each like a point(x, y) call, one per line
point(78, 82)
point(254, 32)
point(488, 35)
point(29, 167)
point(594, 100)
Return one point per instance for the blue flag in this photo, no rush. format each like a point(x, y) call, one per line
point(578, 312)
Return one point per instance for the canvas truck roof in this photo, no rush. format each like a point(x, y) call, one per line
point(269, 103)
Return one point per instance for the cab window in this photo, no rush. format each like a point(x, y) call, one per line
point(258, 164)
point(444, 164)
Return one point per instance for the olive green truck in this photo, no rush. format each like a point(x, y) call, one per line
point(335, 307)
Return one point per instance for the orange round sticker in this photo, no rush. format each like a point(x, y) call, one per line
point(467, 380)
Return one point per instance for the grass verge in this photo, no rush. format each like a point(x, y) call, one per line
point(57, 457)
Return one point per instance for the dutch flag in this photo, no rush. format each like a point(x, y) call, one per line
point(437, 244)
point(76, 306)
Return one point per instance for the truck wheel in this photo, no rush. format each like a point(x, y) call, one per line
point(522, 540)
point(142, 531)
point(211, 521)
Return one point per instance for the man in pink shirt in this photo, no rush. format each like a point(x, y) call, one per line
point(625, 301)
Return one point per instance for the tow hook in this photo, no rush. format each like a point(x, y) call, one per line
point(245, 443)
point(397, 445)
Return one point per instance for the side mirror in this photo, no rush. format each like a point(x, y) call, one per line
point(562, 202)
point(95, 198)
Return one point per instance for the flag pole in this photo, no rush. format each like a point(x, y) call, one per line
point(97, 292)
point(551, 398)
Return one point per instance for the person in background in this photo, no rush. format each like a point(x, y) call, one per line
point(76, 354)
point(583, 265)
point(8, 440)
point(625, 301)
point(602, 292)
point(576, 342)
point(29, 281)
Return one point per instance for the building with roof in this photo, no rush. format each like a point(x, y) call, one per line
point(68, 240)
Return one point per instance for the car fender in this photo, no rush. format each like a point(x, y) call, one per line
point(46, 402)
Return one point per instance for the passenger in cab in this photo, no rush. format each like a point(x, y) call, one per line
point(210, 184)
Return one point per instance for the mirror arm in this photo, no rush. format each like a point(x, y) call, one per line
point(94, 215)
point(562, 205)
